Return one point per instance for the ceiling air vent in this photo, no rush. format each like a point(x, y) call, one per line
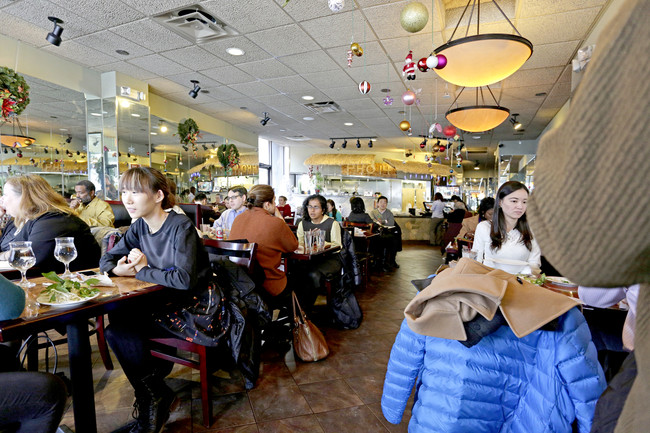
point(195, 24)
point(323, 107)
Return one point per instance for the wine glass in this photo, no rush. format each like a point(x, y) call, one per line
point(21, 257)
point(65, 252)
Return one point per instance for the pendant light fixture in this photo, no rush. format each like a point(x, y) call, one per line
point(482, 59)
point(15, 139)
point(477, 118)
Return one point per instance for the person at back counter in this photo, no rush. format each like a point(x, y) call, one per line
point(391, 237)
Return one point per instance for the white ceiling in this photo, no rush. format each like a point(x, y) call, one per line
point(301, 50)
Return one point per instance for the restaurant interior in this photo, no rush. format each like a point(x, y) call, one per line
point(316, 97)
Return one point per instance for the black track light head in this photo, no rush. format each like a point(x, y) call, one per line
point(332, 144)
point(344, 144)
point(370, 143)
point(266, 119)
point(358, 144)
point(204, 147)
point(195, 91)
point(515, 123)
point(69, 139)
point(55, 36)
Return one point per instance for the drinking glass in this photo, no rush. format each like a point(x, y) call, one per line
point(65, 252)
point(21, 257)
point(308, 242)
point(320, 240)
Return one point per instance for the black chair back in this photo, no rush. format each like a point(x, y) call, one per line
point(240, 253)
point(193, 211)
point(122, 217)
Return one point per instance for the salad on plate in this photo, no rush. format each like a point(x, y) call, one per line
point(64, 292)
point(537, 280)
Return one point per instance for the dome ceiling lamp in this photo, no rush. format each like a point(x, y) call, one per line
point(477, 118)
point(13, 139)
point(482, 59)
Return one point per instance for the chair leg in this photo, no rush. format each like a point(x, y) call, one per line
point(206, 403)
point(101, 344)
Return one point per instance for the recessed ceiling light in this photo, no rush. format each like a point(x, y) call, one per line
point(96, 114)
point(235, 51)
point(283, 130)
point(540, 94)
point(153, 133)
point(243, 108)
point(62, 129)
point(53, 117)
point(308, 98)
point(348, 123)
point(401, 112)
point(135, 115)
point(122, 52)
point(308, 118)
point(476, 137)
point(385, 90)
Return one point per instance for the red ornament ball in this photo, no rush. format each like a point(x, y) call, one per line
point(422, 64)
point(422, 145)
point(449, 131)
point(442, 148)
point(364, 87)
point(442, 61)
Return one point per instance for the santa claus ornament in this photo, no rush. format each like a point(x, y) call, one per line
point(409, 67)
point(364, 87)
point(349, 58)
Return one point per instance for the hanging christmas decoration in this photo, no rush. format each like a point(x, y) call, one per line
point(449, 131)
point(356, 49)
point(414, 17)
point(442, 148)
point(228, 157)
point(436, 148)
point(422, 64)
point(417, 96)
point(436, 61)
point(336, 5)
point(404, 125)
point(409, 67)
point(364, 87)
point(435, 127)
point(388, 100)
point(408, 98)
point(350, 58)
point(14, 93)
point(456, 137)
point(188, 132)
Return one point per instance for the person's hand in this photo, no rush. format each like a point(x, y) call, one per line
point(75, 203)
point(137, 259)
point(278, 214)
point(124, 269)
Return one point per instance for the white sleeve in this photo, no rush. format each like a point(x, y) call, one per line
point(601, 297)
point(482, 241)
point(534, 258)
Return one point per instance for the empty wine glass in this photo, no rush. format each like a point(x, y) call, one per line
point(65, 252)
point(21, 257)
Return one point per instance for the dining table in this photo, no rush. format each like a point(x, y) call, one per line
point(126, 292)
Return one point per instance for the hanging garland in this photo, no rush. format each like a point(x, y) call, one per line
point(14, 93)
point(188, 132)
point(228, 157)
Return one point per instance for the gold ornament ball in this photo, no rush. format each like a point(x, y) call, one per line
point(356, 49)
point(414, 17)
point(404, 125)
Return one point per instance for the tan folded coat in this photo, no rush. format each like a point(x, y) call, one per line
point(457, 294)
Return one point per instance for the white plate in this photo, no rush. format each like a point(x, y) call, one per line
point(561, 281)
point(69, 304)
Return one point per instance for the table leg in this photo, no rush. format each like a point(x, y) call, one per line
point(81, 375)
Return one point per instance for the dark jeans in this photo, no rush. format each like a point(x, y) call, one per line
point(31, 402)
point(128, 335)
point(312, 279)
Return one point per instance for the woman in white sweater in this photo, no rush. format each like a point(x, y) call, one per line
point(507, 242)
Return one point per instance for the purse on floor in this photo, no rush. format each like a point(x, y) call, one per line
point(308, 342)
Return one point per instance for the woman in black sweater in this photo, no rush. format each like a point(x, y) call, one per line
point(40, 215)
point(162, 248)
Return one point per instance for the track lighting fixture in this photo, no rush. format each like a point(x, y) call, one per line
point(358, 144)
point(204, 147)
point(345, 141)
point(423, 144)
point(266, 119)
point(12, 150)
point(332, 144)
point(214, 145)
point(515, 123)
point(69, 139)
point(55, 36)
point(345, 144)
point(195, 91)
point(370, 143)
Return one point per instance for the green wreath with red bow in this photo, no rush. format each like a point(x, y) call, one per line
point(228, 155)
point(14, 93)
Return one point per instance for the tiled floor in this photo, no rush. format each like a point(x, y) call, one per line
point(339, 394)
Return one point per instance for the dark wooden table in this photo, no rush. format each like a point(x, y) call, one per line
point(75, 319)
point(301, 255)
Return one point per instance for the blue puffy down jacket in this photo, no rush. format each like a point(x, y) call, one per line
point(540, 383)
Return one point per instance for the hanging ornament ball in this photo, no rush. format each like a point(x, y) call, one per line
point(335, 5)
point(443, 148)
point(442, 61)
point(356, 49)
point(364, 87)
point(29, 142)
point(449, 131)
point(432, 61)
point(404, 125)
point(408, 97)
point(20, 155)
point(414, 17)
point(422, 145)
point(422, 64)
point(436, 148)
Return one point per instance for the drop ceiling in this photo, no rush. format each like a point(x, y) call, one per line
point(301, 50)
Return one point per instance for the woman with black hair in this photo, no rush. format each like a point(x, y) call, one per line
point(314, 217)
point(485, 212)
point(507, 242)
point(332, 212)
point(358, 214)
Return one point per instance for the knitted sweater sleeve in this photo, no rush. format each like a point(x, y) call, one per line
point(406, 359)
point(578, 368)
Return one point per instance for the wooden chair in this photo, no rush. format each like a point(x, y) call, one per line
point(242, 254)
point(193, 211)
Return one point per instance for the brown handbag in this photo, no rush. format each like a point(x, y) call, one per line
point(308, 342)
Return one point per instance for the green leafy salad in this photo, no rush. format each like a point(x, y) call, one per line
point(66, 291)
point(533, 279)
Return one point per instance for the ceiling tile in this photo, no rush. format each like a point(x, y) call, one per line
point(292, 83)
point(254, 88)
point(530, 77)
point(21, 30)
point(37, 11)
point(558, 54)
point(489, 14)
point(195, 58)
point(533, 8)
point(384, 19)
point(304, 63)
point(421, 45)
point(102, 13)
point(151, 34)
point(337, 29)
point(276, 100)
point(224, 93)
point(283, 41)
point(228, 75)
point(80, 53)
point(159, 65)
point(372, 55)
point(329, 79)
point(155, 7)
point(163, 86)
point(306, 10)
point(185, 78)
point(567, 26)
point(248, 16)
point(128, 69)
point(265, 69)
point(108, 43)
point(376, 75)
point(214, 106)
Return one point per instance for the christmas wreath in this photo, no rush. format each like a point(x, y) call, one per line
point(14, 93)
point(188, 131)
point(228, 157)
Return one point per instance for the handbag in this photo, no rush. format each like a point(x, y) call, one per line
point(308, 342)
